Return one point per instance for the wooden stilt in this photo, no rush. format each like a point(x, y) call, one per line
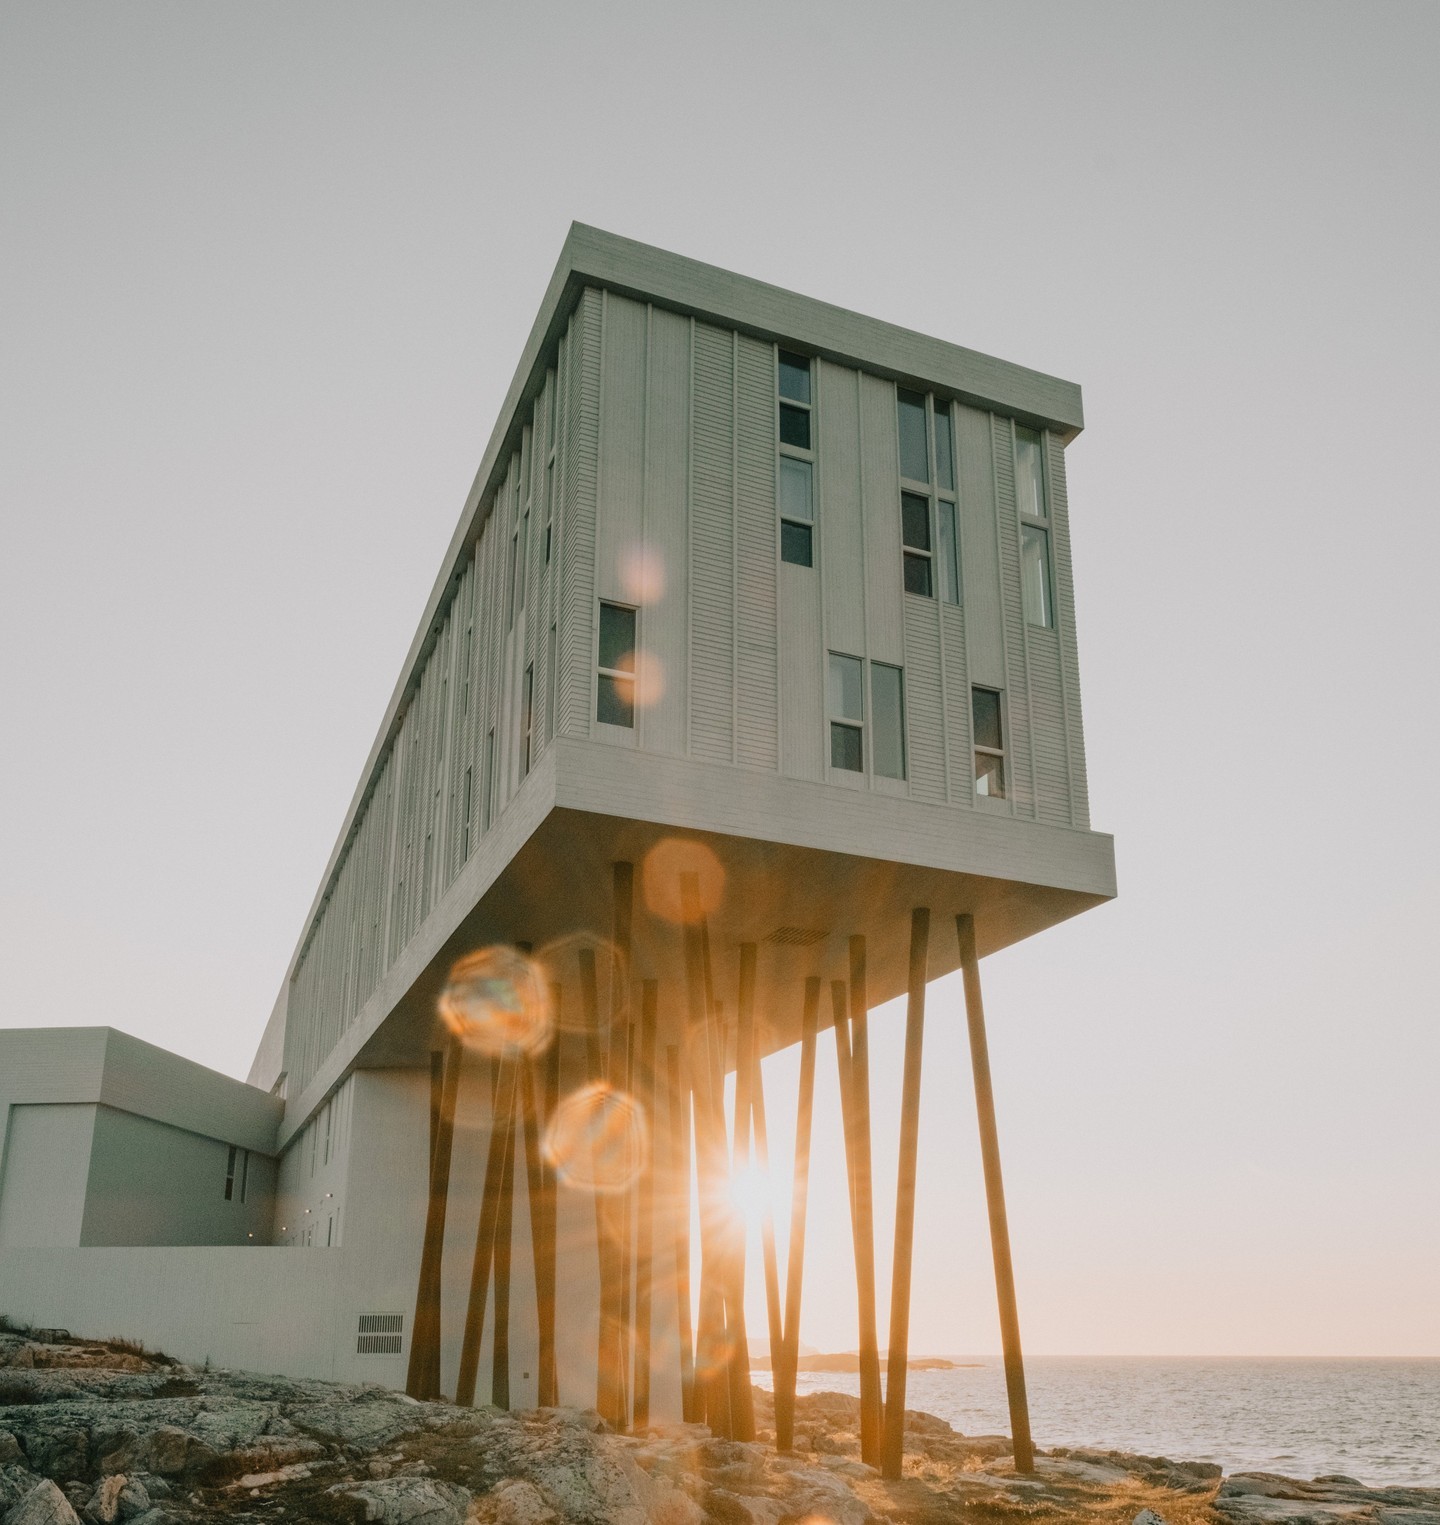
point(542, 1232)
point(501, 1124)
point(679, 1154)
point(862, 1203)
point(597, 1066)
point(437, 1092)
point(785, 1375)
point(620, 1206)
point(503, 1253)
point(646, 1091)
point(995, 1199)
point(893, 1458)
point(712, 1376)
point(768, 1257)
point(742, 1399)
point(547, 1385)
point(422, 1378)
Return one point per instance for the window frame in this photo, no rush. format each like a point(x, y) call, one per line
point(979, 750)
point(865, 727)
point(787, 452)
point(942, 574)
point(842, 721)
point(618, 674)
point(1042, 523)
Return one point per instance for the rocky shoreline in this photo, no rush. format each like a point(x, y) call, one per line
point(100, 1432)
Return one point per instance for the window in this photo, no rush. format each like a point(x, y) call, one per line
point(615, 692)
point(989, 743)
point(244, 1173)
point(929, 530)
point(845, 701)
point(465, 817)
point(550, 461)
point(1035, 586)
point(527, 719)
point(488, 795)
point(887, 710)
point(326, 1158)
point(230, 1174)
point(797, 460)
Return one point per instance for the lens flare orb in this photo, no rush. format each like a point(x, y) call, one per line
point(496, 1003)
point(671, 870)
point(598, 1139)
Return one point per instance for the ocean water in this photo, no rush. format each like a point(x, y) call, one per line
point(1376, 1420)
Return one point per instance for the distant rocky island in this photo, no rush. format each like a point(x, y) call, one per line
point(849, 1360)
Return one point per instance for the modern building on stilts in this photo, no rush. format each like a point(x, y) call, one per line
point(746, 699)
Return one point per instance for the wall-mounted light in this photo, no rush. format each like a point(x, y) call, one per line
point(307, 1209)
point(328, 1195)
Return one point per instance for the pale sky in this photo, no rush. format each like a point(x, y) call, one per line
point(265, 274)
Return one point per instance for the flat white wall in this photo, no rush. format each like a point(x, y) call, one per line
point(43, 1174)
point(151, 1184)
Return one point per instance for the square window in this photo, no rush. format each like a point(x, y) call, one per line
point(795, 544)
point(794, 377)
point(615, 701)
point(915, 521)
point(846, 695)
point(990, 775)
point(794, 426)
point(845, 748)
point(797, 482)
point(917, 575)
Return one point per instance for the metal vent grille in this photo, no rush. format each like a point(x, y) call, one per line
point(796, 937)
point(379, 1334)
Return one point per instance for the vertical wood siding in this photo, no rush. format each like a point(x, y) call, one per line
point(757, 711)
point(712, 548)
point(1020, 761)
point(1069, 646)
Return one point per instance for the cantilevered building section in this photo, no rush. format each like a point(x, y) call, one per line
point(747, 698)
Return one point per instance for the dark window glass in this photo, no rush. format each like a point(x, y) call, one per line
point(949, 553)
point(944, 447)
point(794, 426)
point(794, 377)
point(845, 748)
point(230, 1174)
point(522, 564)
point(527, 719)
point(887, 720)
point(915, 521)
point(797, 480)
point(795, 544)
point(615, 702)
point(617, 638)
point(914, 454)
point(917, 575)
point(985, 705)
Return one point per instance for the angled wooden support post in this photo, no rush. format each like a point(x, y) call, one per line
point(892, 1461)
point(767, 1217)
point(645, 1203)
point(870, 1410)
point(712, 1376)
point(621, 1206)
point(785, 1374)
point(501, 1126)
point(422, 1379)
point(679, 1152)
point(542, 1233)
point(742, 1399)
point(502, 1253)
point(995, 1200)
point(596, 1061)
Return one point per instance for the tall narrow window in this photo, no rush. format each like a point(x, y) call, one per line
point(465, 817)
point(797, 460)
point(989, 743)
point(929, 528)
point(244, 1173)
point(845, 701)
point(230, 1173)
point(488, 792)
point(550, 432)
point(1030, 499)
point(552, 679)
point(887, 719)
point(327, 1134)
point(615, 690)
point(527, 719)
